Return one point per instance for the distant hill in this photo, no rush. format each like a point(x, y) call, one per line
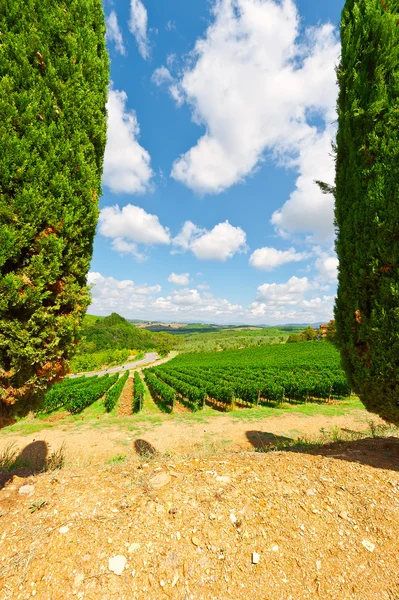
point(102, 333)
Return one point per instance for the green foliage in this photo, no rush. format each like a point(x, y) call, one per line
point(138, 392)
point(75, 394)
point(160, 391)
point(270, 373)
point(307, 335)
point(113, 394)
point(53, 90)
point(95, 360)
point(58, 394)
point(193, 394)
point(116, 333)
point(83, 396)
point(232, 338)
point(367, 203)
point(164, 346)
point(294, 338)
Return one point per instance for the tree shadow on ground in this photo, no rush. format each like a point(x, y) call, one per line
point(144, 448)
point(262, 440)
point(30, 461)
point(377, 452)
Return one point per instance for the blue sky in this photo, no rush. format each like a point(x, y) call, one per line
point(220, 117)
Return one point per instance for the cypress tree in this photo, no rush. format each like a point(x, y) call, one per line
point(53, 87)
point(367, 203)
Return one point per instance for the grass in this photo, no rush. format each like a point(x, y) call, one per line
point(117, 460)
point(8, 457)
point(11, 459)
point(332, 436)
point(95, 415)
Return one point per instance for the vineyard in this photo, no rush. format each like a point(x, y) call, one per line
point(268, 374)
point(74, 395)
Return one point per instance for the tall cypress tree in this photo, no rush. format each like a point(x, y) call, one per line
point(53, 87)
point(367, 203)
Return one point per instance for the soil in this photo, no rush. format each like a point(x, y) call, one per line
point(90, 444)
point(276, 526)
point(126, 399)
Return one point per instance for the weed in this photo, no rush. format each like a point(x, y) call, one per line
point(117, 459)
point(56, 460)
point(37, 505)
point(333, 435)
point(8, 457)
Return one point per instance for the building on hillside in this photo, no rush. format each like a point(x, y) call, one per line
point(325, 327)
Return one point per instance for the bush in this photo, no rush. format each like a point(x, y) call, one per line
point(115, 392)
point(160, 391)
point(83, 396)
point(367, 204)
point(53, 90)
point(138, 392)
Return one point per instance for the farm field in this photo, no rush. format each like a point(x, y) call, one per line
point(297, 389)
point(183, 498)
point(265, 375)
point(281, 393)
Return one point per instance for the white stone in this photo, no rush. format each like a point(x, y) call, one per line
point(368, 545)
point(64, 529)
point(117, 564)
point(26, 490)
point(255, 558)
point(159, 481)
point(223, 479)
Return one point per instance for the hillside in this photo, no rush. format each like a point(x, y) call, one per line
point(267, 526)
point(113, 332)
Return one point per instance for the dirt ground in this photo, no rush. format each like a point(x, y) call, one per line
point(277, 526)
point(182, 508)
point(90, 445)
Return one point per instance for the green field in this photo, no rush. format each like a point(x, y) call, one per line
point(266, 374)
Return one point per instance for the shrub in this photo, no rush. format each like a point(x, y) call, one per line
point(367, 203)
point(53, 89)
point(114, 393)
point(138, 392)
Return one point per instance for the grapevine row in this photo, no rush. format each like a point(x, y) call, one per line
point(138, 392)
point(113, 394)
point(161, 392)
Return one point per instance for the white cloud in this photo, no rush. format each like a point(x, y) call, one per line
point(188, 232)
point(292, 302)
point(110, 294)
point(131, 226)
point(327, 267)
point(138, 26)
point(177, 279)
point(255, 85)
point(284, 294)
point(126, 163)
point(162, 78)
point(280, 303)
point(114, 33)
point(170, 26)
point(203, 286)
point(221, 243)
point(123, 247)
point(186, 297)
point(308, 209)
point(267, 259)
